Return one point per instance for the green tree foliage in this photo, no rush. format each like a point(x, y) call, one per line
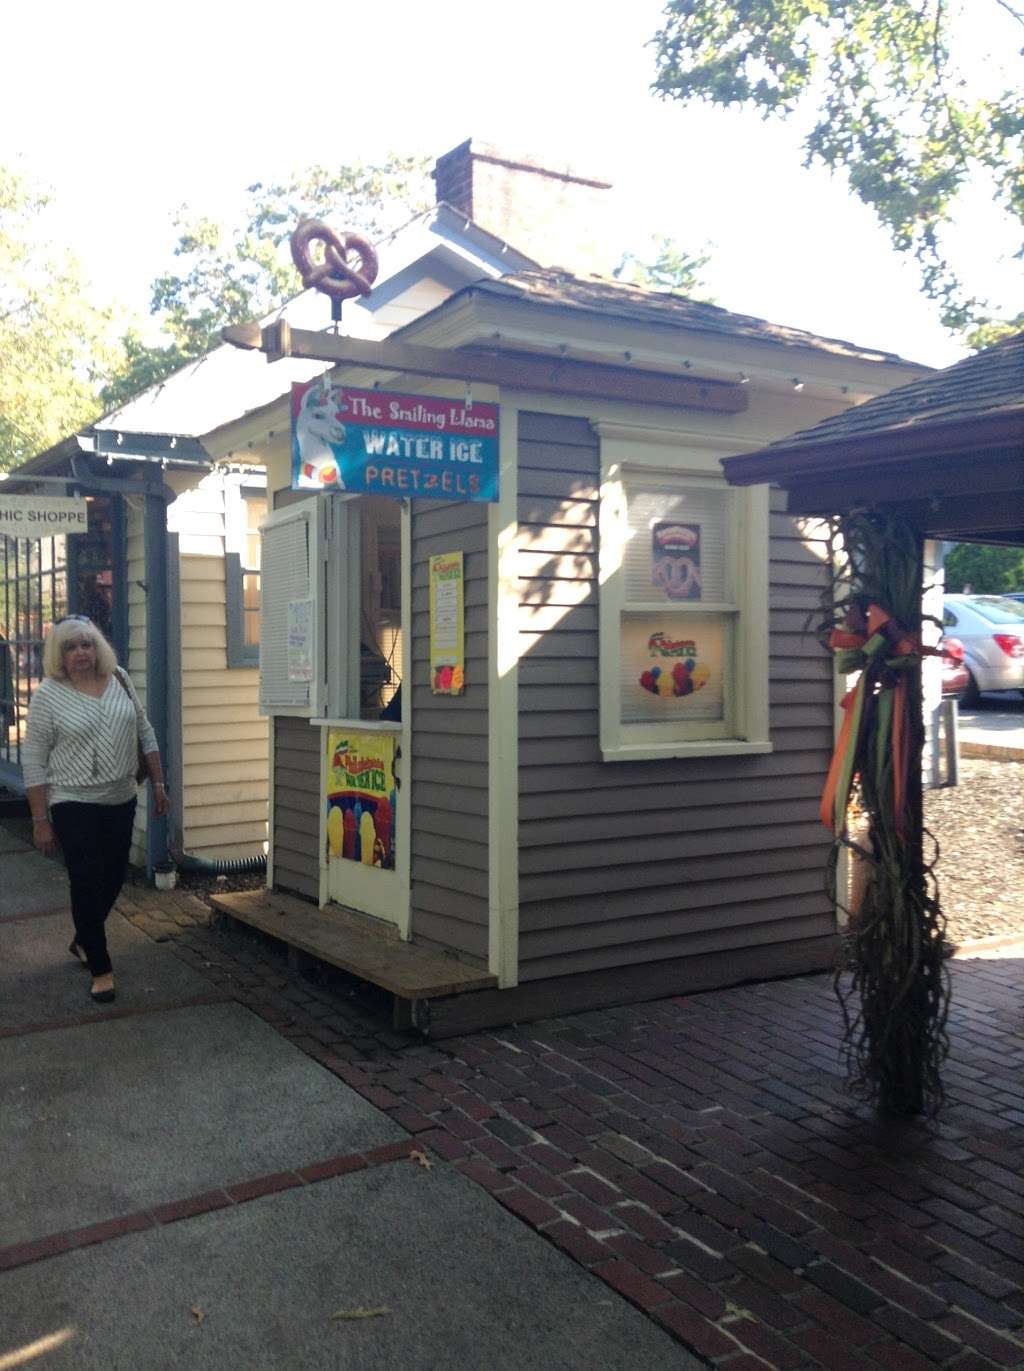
point(228, 274)
point(989, 331)
point(139, 366)
point(893, 94)
point(670, 267)
point(987, 570)
point(54, 345)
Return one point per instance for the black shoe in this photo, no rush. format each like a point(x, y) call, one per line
point(102, 996)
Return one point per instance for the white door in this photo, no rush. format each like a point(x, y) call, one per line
point(364, 758)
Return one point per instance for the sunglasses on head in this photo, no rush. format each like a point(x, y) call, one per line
point(74, 619)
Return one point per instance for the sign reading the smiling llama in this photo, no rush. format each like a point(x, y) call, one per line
point(372, 442)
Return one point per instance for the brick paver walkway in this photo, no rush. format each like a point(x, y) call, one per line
point(700, 1153)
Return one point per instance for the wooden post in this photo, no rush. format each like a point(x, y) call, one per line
point(896, 1038)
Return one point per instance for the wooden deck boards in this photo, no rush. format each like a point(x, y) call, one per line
point(410, 972)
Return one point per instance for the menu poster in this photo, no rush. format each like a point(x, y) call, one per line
point(447, 625)
point(300, 640)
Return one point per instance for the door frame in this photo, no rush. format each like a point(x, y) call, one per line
point(384, 895)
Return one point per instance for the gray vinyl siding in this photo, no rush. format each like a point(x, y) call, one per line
point(449, 880)
point(627, 862)
point(296, 807)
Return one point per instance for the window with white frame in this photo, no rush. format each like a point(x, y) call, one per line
point(332, 641)
point(245, 511)
point(684, 615)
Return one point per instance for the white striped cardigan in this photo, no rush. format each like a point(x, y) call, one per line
point(83, 748)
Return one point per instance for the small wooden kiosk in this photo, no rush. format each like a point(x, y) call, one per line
point(613, 730)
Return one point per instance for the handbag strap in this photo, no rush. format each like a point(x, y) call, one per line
point(124, 686)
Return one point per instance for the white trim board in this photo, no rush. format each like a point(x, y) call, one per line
point(503, 710)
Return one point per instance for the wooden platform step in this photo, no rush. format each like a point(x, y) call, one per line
point(407, 971)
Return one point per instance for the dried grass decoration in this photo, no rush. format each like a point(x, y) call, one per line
point(895, 1041)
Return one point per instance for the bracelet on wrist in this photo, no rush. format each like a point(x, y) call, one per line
point(43, 820)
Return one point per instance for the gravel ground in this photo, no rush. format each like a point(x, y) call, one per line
point(979, 825)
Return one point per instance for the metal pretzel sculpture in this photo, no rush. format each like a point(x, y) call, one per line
point(336, 275)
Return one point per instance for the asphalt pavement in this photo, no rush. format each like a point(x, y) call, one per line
point(994, 727)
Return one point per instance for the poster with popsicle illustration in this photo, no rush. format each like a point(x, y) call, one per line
point(361, 797)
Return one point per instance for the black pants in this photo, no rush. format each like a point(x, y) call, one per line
point(95, 840)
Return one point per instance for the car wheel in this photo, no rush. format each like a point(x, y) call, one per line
point(970, 696)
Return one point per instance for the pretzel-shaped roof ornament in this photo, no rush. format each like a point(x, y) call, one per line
point(337, 275)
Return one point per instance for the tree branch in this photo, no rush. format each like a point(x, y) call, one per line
point(1016, 14)
point(954, 125)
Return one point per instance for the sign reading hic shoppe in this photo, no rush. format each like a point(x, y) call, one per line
point(42, 516)
point(373, 442)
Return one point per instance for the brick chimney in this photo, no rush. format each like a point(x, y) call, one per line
point(551, 214)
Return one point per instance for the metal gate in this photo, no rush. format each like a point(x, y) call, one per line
point(41, 580)
point(33, 592)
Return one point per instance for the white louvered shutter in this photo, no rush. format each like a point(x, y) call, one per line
point(291, 569)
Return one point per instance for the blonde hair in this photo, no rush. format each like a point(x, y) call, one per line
point(53, 648)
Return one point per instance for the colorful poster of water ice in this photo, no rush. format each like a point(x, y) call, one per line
point(374, 442)
point(447, 624)
point(361, 797)
point(675, 560)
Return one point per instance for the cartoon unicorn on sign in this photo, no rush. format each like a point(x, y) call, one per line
point(318, 430)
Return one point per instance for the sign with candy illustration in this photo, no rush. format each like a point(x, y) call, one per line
point(673, 667)
point(675, 670)
point(361, 797)
point(447, 625)
point(373, 442)
point(675, 560)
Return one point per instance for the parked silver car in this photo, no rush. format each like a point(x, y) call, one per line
point(991, 628)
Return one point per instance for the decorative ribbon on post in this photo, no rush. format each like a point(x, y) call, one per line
point(884, 651)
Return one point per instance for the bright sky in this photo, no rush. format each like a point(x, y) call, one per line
point(128, 113)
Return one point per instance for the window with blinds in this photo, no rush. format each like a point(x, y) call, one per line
point(683, 564)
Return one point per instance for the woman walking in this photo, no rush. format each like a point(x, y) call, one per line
point(86, 728)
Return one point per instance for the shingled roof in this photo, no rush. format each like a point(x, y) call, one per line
point(559, 290)
point(945, 452)
point(989, 383)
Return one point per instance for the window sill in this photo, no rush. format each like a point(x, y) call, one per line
point(710, 747)
point(359, 725)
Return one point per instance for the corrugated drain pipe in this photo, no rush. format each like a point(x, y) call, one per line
point(224, 866)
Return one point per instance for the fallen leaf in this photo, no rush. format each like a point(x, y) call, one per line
point(197, 1313)
point(360, 1313)
point(421, 1159)
point(734, 1312)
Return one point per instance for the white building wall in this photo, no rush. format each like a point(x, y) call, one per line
point(225, 742)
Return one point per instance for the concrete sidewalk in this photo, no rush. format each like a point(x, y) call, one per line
point(699, 1156)
point(185, 1186)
